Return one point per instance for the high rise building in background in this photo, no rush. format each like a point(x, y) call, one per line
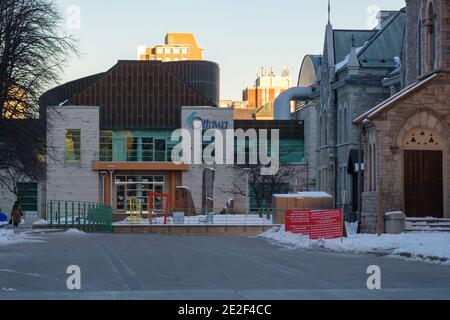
point(261, 97)
point(177, 47)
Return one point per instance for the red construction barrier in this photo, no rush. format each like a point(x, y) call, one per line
point(297, 221)
point(317, 224)
point(151, 195)
point(325, 224)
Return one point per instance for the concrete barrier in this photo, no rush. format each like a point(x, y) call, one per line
point(200, 230)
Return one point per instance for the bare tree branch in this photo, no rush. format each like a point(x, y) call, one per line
point(33, 51)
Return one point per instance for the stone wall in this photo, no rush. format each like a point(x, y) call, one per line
point(416, 11)
point(426, 108)
point(72, 181)
point(308, 115)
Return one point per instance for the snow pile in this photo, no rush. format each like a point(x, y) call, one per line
point(8, 237)
point(428, 246)
point(225, 219)
point(41, 222)
point(75, 232)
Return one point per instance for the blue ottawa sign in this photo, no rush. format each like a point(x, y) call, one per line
point(206, 123)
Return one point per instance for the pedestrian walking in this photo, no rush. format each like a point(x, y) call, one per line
point(16, 214)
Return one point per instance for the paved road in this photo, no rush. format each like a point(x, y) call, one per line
point(159, 267)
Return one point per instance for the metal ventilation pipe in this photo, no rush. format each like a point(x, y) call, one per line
point(282, 104)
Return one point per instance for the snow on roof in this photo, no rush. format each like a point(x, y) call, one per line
point(344, 62)
point(316, 194)
point(285, 196)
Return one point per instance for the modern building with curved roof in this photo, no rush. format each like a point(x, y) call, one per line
point(309, 70)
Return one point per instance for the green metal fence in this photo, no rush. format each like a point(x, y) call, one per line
point(85, 216)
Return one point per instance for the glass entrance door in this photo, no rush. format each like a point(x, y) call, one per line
point(138, 187)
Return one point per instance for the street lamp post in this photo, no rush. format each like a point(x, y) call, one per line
point(103, 175)
point(247, 198)
point(111, 170)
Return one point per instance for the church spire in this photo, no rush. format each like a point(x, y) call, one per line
point(329, 11)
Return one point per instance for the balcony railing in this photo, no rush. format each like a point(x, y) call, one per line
point(133, 156)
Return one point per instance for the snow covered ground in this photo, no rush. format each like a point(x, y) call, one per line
point(75, 232)
point(433, 247)
point(9, 237)
point(248, 220)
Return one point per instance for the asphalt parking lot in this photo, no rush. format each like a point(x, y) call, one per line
point(117, 266)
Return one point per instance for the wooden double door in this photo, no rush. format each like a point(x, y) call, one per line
point(423, 179)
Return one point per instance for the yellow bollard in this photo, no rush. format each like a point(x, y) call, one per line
point(139, 211)
point(135, 210)
point(131, 210)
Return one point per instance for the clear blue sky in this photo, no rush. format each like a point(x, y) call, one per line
point(240, 35)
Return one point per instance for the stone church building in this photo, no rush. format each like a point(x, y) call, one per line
point(377, 123)
point(347, 80)
point(406, 137)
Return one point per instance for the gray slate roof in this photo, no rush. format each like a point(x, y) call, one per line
point(386, 44)
point(380, 46)
point(343, 41)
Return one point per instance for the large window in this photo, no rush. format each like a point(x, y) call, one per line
point(148, 150)
point(73, 146)
point(160, 150)
point(142, 146)
point(106, 146)
point(28, 196)
point(138, 187)
point(292, 151)
point(346, 127)
point(132, 149)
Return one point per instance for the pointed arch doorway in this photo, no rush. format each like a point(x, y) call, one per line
point(423, 174)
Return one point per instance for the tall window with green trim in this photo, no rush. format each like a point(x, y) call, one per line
point(28, 196)
point(132, 149)
point(160, 150)
point(106, 146)
point(148, 150)
point(73, 146)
